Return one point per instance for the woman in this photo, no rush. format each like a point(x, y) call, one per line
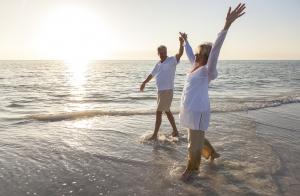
point(195, 105)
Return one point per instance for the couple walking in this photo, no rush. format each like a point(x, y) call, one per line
point(195, 104)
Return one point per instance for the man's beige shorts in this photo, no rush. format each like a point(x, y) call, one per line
point(164, 100)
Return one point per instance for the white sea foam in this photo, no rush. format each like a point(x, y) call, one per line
point(241, 106)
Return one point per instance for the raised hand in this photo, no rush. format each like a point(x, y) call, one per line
point(181, 40)
point(183, 36)
point(233, 15)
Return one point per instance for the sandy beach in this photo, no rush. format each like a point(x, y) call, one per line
point(259, 156)
point(278, 128)
point(260, 153)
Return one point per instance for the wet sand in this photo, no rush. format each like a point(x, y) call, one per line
point(279, 128)
point(106, 155)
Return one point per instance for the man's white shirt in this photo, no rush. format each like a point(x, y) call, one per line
point(164, 73)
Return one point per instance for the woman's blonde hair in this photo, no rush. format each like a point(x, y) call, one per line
point(204, 50)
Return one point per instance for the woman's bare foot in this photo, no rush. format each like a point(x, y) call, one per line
point(186, 175)
point(175, 134)
point(214, 156)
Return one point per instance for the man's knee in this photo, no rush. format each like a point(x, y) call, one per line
point(158, 113)
point(168, 112)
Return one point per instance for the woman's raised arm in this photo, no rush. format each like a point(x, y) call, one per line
point(188, 49)
point(214, 55)
point(215, 51)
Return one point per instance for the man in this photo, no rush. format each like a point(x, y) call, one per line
point(164, 73)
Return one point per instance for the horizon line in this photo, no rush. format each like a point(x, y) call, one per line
point(148, 60)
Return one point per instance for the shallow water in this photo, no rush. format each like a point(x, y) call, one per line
point(80, 131)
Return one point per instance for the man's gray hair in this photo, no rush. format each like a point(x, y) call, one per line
point(162, 47)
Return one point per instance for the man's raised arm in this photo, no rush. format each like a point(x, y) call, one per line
point(180, 52)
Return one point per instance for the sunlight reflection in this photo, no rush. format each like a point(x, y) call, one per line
point(82, 124)
point(77, 69)
point(77, 78)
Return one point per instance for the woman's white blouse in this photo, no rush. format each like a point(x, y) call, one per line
point(195, 104)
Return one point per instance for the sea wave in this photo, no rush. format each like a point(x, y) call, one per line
point(84, 114)
point(92, 113)
point(245, 105)
point(14, 105)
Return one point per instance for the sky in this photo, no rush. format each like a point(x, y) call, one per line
point(132, 29)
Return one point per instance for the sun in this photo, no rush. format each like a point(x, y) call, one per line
point(75, 34)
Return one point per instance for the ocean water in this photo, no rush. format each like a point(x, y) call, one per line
point(74, 129)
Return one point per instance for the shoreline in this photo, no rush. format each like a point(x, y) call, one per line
point(278, 127)
point(290, 113)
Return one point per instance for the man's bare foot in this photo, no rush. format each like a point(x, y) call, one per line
point(153, 137)
point(175, 134)
point(186, 175)
point(214, 156)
